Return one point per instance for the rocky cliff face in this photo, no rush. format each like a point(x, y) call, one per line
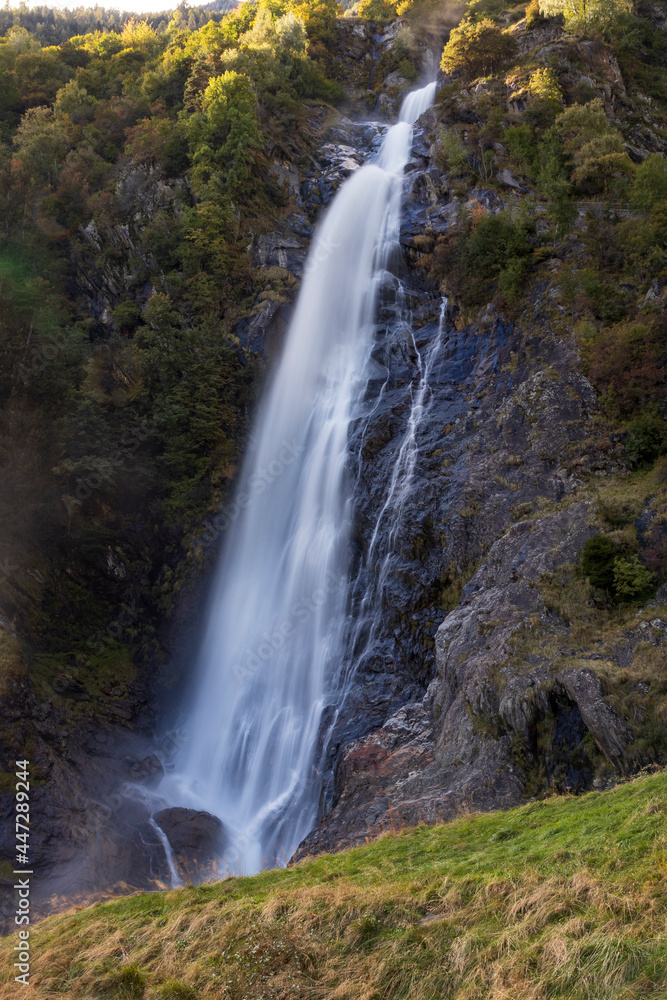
point(518, 689)
point(526, 684)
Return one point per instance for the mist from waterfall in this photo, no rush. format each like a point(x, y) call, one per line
point(273, 649)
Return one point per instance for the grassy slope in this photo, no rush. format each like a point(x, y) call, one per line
point(563, 898)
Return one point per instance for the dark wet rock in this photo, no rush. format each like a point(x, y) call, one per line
point(456, 748)
point(365, 136)
point(286, 176)
point(194, 835)
point(608, 729)
point(69, 687)
point(264, 330)
point(442, 715)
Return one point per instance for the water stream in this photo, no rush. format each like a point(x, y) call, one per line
point(273, 650)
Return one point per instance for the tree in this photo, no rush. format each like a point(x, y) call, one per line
point(587, 15)
point(477, 47)
point(650, 184)
point(40, 143)
point(377, 10)
point(597, 561)
point(554, 186)
point(22, 41)
point(647, 440)
point(226, 134)
point(632, 581)
point(595, 147)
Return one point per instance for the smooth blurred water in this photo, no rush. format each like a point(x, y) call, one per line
point(274, 640)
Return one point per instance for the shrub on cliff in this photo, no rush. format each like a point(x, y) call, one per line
point(547, 97)
point(585, 16)
point(646, 440)
point(480, 251)
point(621, 577)
point(496, 243)
point(625, 363)
point(632, 581)
point(597, 561)
point(451, 154)
point(476, 48)
point(594, 146)
point(649, 187)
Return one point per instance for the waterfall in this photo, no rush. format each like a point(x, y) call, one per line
point(274, 643)
point(404, 467)
point(376, 568)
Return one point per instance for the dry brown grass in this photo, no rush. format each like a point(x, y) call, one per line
point(443, 912)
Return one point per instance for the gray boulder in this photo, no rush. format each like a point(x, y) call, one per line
point(194, 835)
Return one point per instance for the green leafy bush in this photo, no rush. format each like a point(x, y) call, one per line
point(553, 184)
point(478, 252)
point(476, 48)
point(646, 440)
point(649, 187)
point(598, 557)
point(521, 143)
point(451, 153)
point(594, 146)
point(498, 244)
point(495, 239)
point(587, 15)
point(632, 581)
point(544, 86)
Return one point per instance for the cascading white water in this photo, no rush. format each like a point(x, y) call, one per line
point(404, 466)
point(377, 567)
point(275, 635)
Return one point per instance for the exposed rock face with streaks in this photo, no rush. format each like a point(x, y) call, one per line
point(493, 704)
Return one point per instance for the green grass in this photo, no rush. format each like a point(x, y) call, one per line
point(563, 898)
